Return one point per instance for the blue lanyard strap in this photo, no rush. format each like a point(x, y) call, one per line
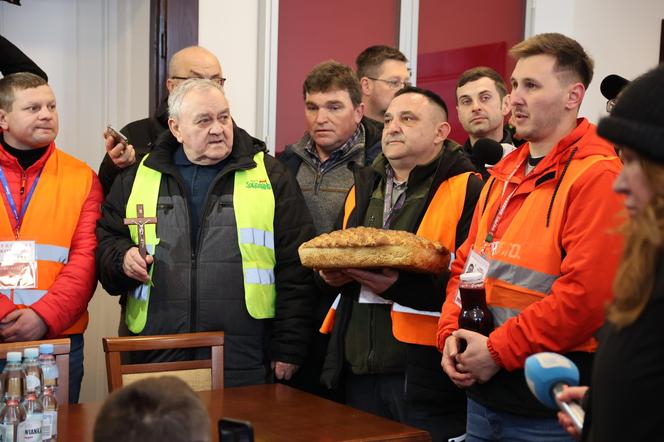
point(10, 199)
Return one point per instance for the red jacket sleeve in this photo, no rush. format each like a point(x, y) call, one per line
point(67, 299)
point(574, 309)
point(449, 317)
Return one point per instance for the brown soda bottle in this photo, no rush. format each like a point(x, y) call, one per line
point(475, 315)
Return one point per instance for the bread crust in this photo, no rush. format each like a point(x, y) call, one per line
point(367, 247)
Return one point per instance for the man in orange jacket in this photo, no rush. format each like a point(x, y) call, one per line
point(50, 206)
point(544, 233)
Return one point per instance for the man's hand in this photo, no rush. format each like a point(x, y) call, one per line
point(135, 266)
point(376, 282)
point(335, 278)
point(476, 359)
point(284, 370)
point(22, 325)
point(450, 352)
point(121, 155)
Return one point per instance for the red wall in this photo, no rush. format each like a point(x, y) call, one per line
point(315, 31)
point(455, 35)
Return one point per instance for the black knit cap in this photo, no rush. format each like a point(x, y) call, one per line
point(637, 120)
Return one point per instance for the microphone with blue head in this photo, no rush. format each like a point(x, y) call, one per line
point(546, 375)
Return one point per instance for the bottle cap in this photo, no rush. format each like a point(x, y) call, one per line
point(46, 349)
point(14, 356)
point(471, 277)
point(31, 353)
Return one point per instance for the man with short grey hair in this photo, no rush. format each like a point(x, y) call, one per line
point(223, 254)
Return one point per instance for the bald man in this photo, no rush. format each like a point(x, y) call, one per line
point(190, 62)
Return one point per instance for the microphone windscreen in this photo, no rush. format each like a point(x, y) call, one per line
point(488, 151)
point(545, 370)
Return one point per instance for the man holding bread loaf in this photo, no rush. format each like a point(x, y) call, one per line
point(383, 324)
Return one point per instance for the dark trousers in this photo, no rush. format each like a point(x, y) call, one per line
point(75, 367)
point(379, 394)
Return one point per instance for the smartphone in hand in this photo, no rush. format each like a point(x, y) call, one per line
point(119, 138)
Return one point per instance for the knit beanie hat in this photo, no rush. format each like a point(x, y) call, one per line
point(637, 120)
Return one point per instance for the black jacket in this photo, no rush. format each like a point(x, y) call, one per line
point(201, 288)
point(628, 375)
point(142, 134)
point(427, 383)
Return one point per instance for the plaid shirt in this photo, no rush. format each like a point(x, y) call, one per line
point(338, 153)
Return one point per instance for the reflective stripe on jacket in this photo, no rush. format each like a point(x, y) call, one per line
point(255, 227)
point(51, 220)
point(438, 224)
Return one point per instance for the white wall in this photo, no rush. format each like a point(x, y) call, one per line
point(623, 37)
point(95, 53)
point(230, 30)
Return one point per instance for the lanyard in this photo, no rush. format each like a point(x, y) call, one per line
point(389, 209)
point(5, 186)
point(501, 211)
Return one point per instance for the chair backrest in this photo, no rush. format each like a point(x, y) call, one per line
point(205, 374)
point(60, 351)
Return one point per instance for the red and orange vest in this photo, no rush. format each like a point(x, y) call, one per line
point(50, 220)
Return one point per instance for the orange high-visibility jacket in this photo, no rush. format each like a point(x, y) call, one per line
point(439, 224)
point(554, 253)
point(60, 218)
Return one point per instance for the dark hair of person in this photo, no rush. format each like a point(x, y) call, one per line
point(153, 410)
point(330, 76)
point(433, 97)
point(480, 72)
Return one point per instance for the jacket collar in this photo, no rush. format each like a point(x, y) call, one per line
point(241, 157)
point(583, 137)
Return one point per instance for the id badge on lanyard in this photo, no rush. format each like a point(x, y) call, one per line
point(18, 265)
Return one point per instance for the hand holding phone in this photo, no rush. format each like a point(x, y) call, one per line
point(117, 136)
point(118, 148)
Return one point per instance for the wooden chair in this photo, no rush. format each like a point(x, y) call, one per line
point(201, 375)
point(61, 348)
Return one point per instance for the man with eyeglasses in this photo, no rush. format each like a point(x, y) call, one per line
point(382, 71)
point(190, 62)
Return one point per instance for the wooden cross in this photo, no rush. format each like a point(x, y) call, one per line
point(140, 221)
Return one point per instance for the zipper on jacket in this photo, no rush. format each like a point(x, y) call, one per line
point(24, 179)
point(317, 182)
point(193, 317)
point(372, 353)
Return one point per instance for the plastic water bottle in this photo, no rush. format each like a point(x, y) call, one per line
point(34, 410)
point(12, 417)
point(50, 422)
point(48, 366)
point(33, 372)
point(50, 375)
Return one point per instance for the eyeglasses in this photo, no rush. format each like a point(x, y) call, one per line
point(393, 83)
point(610, 104)
point(219, 80)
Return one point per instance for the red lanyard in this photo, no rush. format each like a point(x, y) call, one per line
point(501, 211)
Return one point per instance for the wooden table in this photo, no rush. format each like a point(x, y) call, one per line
point(277, 412)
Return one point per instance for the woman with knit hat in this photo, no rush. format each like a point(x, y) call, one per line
point(624, 401)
